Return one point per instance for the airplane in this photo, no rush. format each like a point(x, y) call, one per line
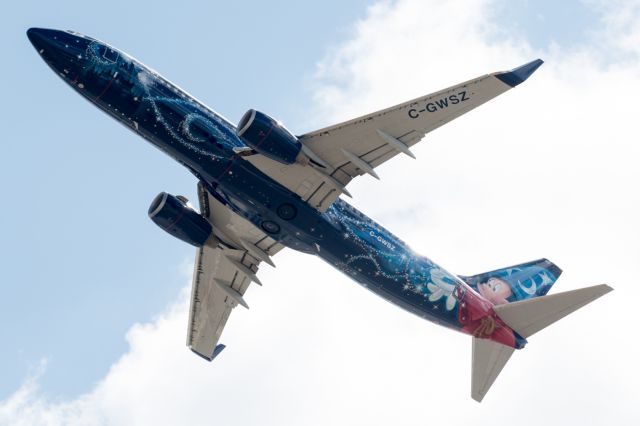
point(262, 188)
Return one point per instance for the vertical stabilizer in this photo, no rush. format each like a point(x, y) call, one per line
point(515, 283)
point(527, 317)
point(488, 360)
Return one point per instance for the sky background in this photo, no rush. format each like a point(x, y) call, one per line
point(94, 295)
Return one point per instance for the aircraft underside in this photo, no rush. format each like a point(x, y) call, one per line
point(262, 189)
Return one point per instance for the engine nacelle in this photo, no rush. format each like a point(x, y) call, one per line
point(268, 137)
point(175, 216)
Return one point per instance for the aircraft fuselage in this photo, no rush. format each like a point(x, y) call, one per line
point(204, 143)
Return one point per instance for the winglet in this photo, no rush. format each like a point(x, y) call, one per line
point(520, 74)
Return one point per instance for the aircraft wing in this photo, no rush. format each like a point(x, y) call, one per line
point(223, 272)
point(346, 150)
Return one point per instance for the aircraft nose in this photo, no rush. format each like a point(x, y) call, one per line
point(63, 51)
point(41, 37)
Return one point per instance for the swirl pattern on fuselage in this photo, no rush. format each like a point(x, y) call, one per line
point(194, 127)
point(390, 259)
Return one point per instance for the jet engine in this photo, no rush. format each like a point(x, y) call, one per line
point(268, 137)
point(178, 218)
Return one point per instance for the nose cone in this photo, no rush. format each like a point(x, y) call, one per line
point(42, 38)
point(63, 51)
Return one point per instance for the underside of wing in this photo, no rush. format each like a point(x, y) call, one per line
point(341, 152)
point(224, 268)
point(210, 305)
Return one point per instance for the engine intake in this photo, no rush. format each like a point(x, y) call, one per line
point(268, 137)
point(175, 216)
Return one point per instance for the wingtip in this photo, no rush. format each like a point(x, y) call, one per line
point(520, 74)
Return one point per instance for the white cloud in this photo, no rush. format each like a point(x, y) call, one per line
point(621, 27)
point(548, 169)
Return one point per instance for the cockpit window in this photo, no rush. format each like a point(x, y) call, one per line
point(110, 54)
point(103, 54)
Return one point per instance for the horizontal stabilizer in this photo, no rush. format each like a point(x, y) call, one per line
point(527, 317)
point(216, 352)
point(489, 358)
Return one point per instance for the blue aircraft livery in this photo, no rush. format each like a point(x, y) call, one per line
point(262, 189)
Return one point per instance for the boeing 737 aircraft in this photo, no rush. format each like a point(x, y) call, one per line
point(261, 188)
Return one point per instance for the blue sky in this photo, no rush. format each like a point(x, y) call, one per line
point(542, 23)
point(81, 261)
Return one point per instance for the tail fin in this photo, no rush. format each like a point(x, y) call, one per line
point(526, 318)
point(518, 282)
